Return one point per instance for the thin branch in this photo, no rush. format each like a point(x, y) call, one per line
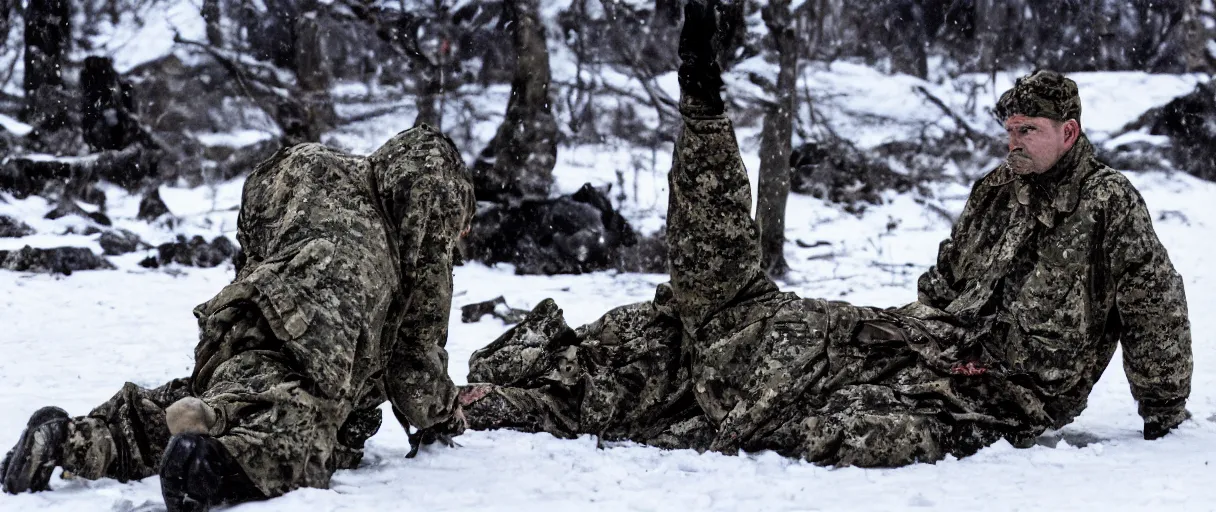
point(239, 75)
point(372, 114)
point(958, 120)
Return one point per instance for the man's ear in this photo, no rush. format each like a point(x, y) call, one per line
point(1072, 131)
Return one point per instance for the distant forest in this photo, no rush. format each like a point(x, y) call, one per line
point(274, 65)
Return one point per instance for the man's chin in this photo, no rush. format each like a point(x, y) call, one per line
point(1021, 166)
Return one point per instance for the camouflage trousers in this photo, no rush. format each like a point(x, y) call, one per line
point(282, 434)
point(723, 360)
point(624, 377)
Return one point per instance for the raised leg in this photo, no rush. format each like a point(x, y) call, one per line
point(714, 244)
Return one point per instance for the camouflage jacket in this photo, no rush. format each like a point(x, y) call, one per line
point(1044, 275)
point(348, 259)
point(1034, 287)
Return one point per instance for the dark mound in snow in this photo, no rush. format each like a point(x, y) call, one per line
point(570, 234)
point(195, 252)
point(60, 260)
point(13, 228)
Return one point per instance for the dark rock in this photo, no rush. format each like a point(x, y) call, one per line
point(149, 262)
point(13, 228)
point(100, 218)
point(48, 37)
point(497, 307)
point(196, 252)
point(107, 110)
point(61, 260)
point(120, 241)
point(69, 207)
point(93, 194)
point(65, 208)
point(836, 171)
point(151, 207)
point(73, 177)
point(648, 255)
point(571, 234)
point(1190, 123)
point(223, 246)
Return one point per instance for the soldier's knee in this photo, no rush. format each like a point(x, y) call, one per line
point(889, 440)
point(89, 449)
point(190, 416)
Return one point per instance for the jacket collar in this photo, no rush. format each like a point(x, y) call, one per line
point(1058, 189)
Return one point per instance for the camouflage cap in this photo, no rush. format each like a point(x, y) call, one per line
point(1041, 94)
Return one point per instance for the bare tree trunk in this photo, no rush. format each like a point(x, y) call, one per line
point(732, 32)
point(211, 16)
point(907, 40)
point(107, 117)
point(775, 142)
point(988, 21)
point(6, 12)
point(518, 162)
point(314, 75)
point(48, 38)
point(427, 98)
point(580, 96)
point(1197, 38)
point(668, 12)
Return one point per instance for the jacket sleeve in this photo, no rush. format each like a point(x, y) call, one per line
point(416, 378)
point(1154, 329)
point(416, 374)
point(936, 286)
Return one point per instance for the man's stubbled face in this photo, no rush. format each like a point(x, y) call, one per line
point(1037, 143)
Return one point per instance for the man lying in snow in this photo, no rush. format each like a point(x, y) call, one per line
point(342, 303)
point(1053, 262)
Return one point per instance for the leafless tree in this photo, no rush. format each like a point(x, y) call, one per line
point(48, 39)
point(519, 161)
point(776, 138)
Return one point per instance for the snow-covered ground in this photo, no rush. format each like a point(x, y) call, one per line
point(73, 341)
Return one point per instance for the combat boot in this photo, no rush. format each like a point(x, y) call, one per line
point(197, 473)
point(699, 75)
point(28, 466)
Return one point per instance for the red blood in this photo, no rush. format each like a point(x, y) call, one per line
point(969, 369)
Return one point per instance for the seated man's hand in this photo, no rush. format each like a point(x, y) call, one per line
point(440, 432)
point(1160, 423)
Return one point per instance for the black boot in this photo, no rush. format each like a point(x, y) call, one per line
point(196, 472)
point(700, 75)
point(28, 466)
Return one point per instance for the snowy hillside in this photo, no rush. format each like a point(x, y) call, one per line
point(73, 341)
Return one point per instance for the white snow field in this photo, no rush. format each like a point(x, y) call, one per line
point(73, 341)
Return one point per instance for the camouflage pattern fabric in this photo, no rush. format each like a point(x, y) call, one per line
point(1048, 273)
point(1041, 94)
point(1040, 279)
point(619, 377)
point(342, 304)
point(125, 437)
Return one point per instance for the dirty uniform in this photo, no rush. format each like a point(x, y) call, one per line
point(1040, 279)
point(342, 303)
